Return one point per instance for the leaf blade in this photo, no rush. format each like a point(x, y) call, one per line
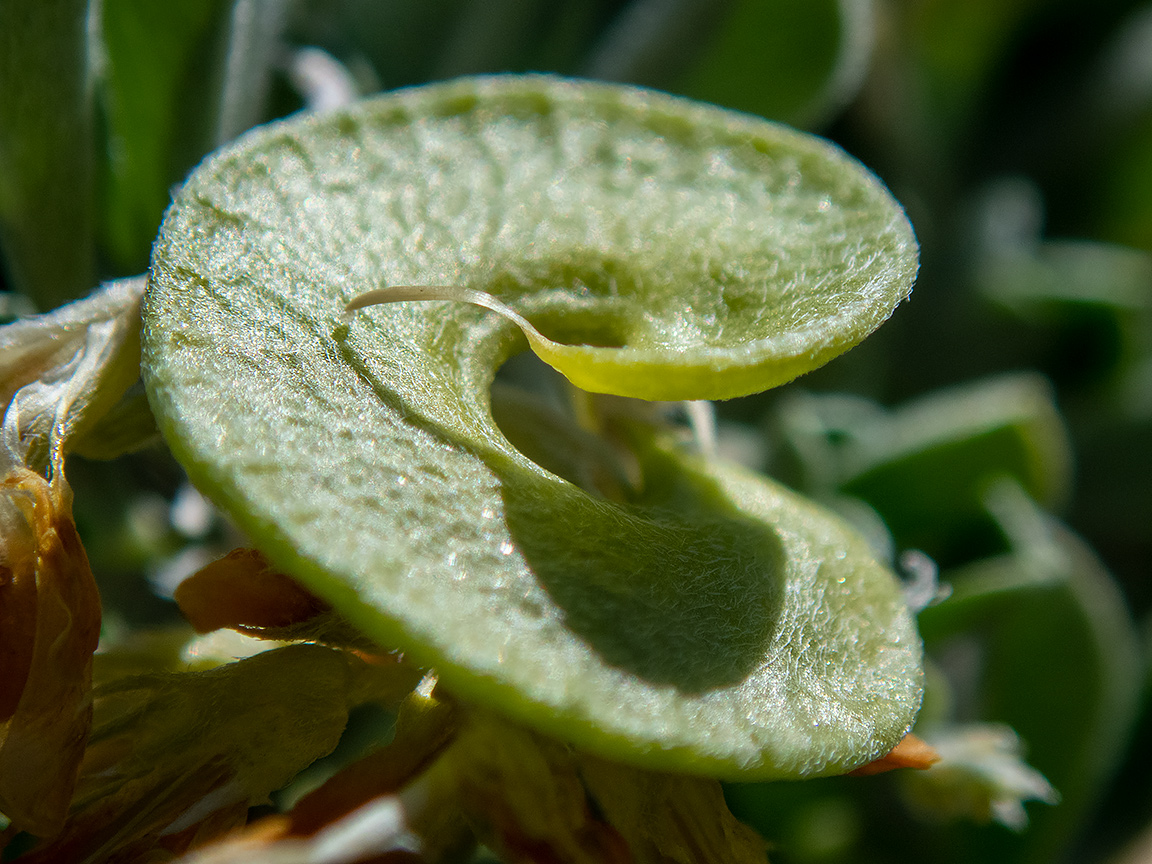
point(365, 461)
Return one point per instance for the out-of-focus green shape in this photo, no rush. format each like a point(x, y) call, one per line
point(822, 434)
point(925, 467)
point(1019, 269)
point(390, 44)
point(255, 49)
point(1086, 287)
point(798, 61)
point(515, 35)
point(718, 624)
point(159, 91)
point(46, 151)
point(648, 42)
point(1061, 664)
point(932, 76)
point(1098, 294)
point(1077, 272)
point(1118, 124)
point(957, 45)
point(1126, 208)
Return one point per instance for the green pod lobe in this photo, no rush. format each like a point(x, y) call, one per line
point(718, 625)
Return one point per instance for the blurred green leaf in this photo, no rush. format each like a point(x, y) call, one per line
point(385, 44)
point(958, 45)
point(255, 49)
point(495, 36)
point(1120, 133)
point(1070, 272)
point(47, 172)
point(925, 465)
point(159, 92)
point(1060, 663)
point(798, 61)
point(651, 41)
point(926, 473)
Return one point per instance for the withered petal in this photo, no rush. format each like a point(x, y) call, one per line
point(51, 601)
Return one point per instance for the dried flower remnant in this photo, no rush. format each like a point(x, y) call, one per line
point(177, 758)
point(981, 775)
point(333, 816)
point(455, 776)
point(911, 752)
point(61, 371)
point(243, 591)
point(49, 627)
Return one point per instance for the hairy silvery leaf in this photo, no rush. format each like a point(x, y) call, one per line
point(717, 624)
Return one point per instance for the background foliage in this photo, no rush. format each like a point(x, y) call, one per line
point(1018, 134)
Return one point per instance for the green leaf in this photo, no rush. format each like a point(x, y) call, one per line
point(792, 60)
point(46, 153)
point(719, 624)
point(1070, 273)
point(722, 255)
point(159, 91)
point(1061, 663)
point(925, 468)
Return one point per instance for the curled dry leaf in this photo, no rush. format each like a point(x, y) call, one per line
point(670, 817)
point(327, 816)
point(62, 371)
point(524, 796)
point(49, 627)
point(58, 373)
point(243, 591)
